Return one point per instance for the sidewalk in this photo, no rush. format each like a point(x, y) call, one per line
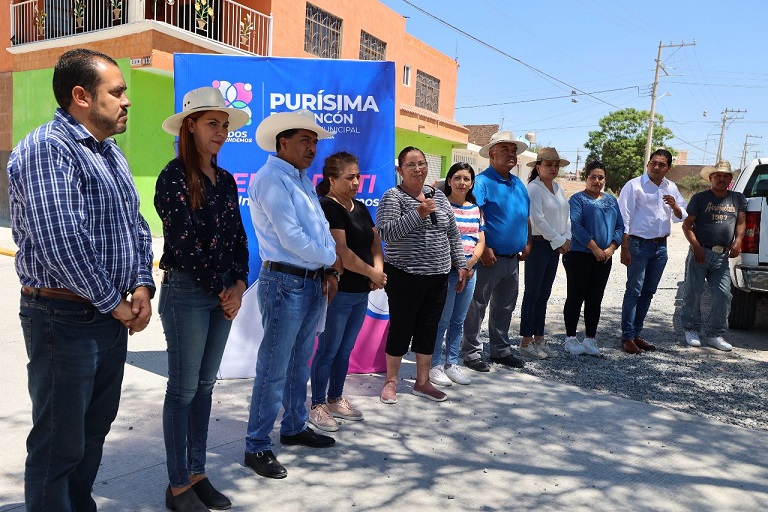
point(506, 442)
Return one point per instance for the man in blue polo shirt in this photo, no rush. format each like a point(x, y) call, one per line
point(503, 199)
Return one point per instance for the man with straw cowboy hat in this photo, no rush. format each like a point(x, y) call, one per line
point(299, 268)
point(714, 227)
point(503, 199)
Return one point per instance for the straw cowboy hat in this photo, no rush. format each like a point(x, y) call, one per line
point(722, 166)
point(271, 126)
point(202, 99)
point(548, 154)
point(502, 136)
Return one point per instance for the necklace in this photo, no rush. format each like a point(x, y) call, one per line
point(348, 208)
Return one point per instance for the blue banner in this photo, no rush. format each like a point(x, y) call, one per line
point(355, 100)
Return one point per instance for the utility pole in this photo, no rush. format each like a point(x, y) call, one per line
point(744, 154)
point(722, 129)
point(659, 66)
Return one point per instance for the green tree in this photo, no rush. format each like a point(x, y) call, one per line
point(620, 144)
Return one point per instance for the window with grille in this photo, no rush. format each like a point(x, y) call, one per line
point(322, 33)
point(427, 91)
point(372, 48)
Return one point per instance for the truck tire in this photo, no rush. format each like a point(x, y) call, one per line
point(743, 309)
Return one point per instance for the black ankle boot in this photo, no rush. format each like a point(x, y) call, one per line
point(184, 502)
point(210, 497)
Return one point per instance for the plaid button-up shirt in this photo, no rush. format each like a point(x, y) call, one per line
point(75, 215)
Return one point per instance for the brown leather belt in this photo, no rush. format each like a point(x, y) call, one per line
point(53, 293)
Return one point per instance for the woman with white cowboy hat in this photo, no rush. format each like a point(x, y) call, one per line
point(205, 258)
point(551, 236)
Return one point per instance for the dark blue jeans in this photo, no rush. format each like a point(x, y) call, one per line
point(196, 332)
point(345, 317)
point(76, 362)
point(540, 271)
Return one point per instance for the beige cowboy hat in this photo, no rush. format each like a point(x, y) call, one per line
point(548, 154)
point(271, 126)
point(502, 136)
point(722, 166)
point(202, 99)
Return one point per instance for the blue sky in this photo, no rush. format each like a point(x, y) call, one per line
point(602, 45)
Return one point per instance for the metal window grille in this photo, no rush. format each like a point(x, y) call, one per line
point(427, 91)
point(372, 48)
point(322, 33)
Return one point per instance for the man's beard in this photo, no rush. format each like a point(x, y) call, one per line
point(106, 124)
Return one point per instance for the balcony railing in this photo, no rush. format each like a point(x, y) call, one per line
point(223, 21)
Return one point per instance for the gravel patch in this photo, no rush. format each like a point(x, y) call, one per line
point(725, 386)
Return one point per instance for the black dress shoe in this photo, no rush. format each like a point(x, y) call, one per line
point(509, 360)
point(265, 464)
point(210, 497)
point(184, 502)
point(308, 437)
point(477, 364)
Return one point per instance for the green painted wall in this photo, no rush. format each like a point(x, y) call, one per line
point(426, 143)
point(146, 146)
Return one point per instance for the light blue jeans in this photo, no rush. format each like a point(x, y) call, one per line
point(343, 321)
point(196, 332)
point(715, 270)
point(643, 276)
point(290, 309)
point(452, 320)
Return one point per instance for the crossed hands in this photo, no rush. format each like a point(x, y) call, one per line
point(230, 299)
point(134, 314)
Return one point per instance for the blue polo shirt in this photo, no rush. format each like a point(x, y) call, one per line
point(505, 205)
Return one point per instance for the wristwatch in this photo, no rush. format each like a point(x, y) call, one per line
point(330, 271)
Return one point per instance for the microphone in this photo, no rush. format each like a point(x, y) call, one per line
point(429, 194)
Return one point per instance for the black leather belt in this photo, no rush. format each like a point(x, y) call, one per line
point(717, 249)
point(294, 271)
point(656, 240)
point(506, 255)
point(538, 238)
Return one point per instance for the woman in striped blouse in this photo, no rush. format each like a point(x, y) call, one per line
point(458, 188)
point(422, 242)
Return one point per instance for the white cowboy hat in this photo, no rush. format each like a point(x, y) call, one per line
point(503, 136)
point(548, 154)
point(722, 166)
point(275, 124)
point(202, 99)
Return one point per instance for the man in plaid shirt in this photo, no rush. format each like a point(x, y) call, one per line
point(85, 265)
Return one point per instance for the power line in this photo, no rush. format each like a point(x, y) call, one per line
point(552, 97)
point(491, 47)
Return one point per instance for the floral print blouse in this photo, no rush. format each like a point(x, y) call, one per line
point(208, 243)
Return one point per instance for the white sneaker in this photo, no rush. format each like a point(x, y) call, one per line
point(692, 339)
point(542, 346)
point(590, 347)
point(532, 351)
point(438, 377)
point(719, 343)
point(572, 346)
point(454, 373)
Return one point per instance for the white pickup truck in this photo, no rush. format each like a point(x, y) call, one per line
point(749, 270)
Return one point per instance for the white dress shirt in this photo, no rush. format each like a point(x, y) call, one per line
point(642, 206)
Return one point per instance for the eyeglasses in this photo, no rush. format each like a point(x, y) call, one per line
point(596, 177)
point(412, 166)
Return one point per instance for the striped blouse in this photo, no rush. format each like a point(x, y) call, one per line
point(413, 244)
point(470, 223)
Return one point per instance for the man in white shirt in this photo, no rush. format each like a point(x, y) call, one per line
point(647, 204)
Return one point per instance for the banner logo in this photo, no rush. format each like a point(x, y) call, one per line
point(237, 95)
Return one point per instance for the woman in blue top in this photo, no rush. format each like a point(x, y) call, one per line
point(597, 229)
